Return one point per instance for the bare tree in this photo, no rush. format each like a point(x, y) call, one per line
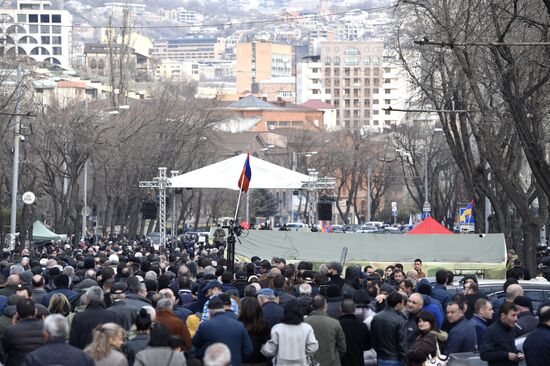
point(464, 76)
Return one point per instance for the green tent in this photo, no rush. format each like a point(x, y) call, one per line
point(42, 233)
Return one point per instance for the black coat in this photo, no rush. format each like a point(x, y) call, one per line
point(357, 340)
point(497, 341)
point(537, 346)
point(387, 330)
point(22, 338)
point(57, 352)
point(85, 322)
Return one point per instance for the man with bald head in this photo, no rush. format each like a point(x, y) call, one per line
point(38, 288)
point(512, 291)
point(415, 302)
point(11, 285)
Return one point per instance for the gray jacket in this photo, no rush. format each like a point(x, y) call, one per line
point(159, 356)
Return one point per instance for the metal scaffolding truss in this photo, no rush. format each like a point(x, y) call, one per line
point(161, 183)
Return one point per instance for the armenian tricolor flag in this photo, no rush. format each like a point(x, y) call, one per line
point(246, 175)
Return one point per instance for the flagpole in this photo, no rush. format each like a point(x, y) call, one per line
point(239, 199)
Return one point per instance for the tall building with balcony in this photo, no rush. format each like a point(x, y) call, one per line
point(309, 80)
point(361, 83)
point(261, 61)
point(36, 30)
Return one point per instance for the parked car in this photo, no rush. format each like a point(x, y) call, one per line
point(367, 229)
point(538, 292)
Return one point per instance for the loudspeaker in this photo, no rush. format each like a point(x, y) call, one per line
point(325, 211)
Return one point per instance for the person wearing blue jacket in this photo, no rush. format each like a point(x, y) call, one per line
point(221, 328)
point(462, 337)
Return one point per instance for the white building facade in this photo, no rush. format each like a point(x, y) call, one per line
point(362, 84)
point(36, 30)
point(309, 80)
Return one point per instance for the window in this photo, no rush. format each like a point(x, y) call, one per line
point(387, 81)
point(297, 124)
point(44, 18)
point(376, 82)
point(327, 73)
point(57, 51)
point(387, 101)
point(21, 18)
point(337, 61)
point(375, 101)
point(387, 113)
point(56, 40)
point(375, 91)
point(352, 56)
point(33, 18)
point(28, 40)
point(375, 122)
point(356, 71)
point(45, 40)
point(327, 60)
point(271, 124)
point(366, 61)
point(283, 123)
point(387, 91)
point(33, 29)
point(375, 112)
point(44, 29)
point(56, 18)
point(56, 29)
point(387, 69)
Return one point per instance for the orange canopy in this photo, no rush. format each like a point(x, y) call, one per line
point(430, 226)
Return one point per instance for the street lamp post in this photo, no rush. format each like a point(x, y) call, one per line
point(295, 154)
point(15, 171)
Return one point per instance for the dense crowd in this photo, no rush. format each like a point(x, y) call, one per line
point(133, 303)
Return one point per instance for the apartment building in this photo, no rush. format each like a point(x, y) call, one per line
point(188, 49)
point(309, 80)
point(361, 84)
point(37, 30)
point(260, 61)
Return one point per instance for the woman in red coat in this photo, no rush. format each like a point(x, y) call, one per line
point(427, 342)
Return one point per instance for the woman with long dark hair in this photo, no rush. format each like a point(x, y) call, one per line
point(143, 324)
point(253, 319)
point(292, 341)
point(426, 344)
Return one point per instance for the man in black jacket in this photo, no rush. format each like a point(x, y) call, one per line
point(95, 314)
point(56, 351)
point(497, 346)
point(357, 335)
point(387, 331)
point(23, 337)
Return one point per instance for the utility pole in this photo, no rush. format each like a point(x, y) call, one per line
point(15, 171)
point(369, 171)
point(85, 208)
point(291, 190)
point(426, 175)
point(174, 173)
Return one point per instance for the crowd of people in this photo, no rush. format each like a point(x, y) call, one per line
point(133, 303)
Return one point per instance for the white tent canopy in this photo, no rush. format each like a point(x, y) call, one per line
point(226, 173)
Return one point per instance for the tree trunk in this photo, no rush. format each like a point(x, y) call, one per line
point(529, 248)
